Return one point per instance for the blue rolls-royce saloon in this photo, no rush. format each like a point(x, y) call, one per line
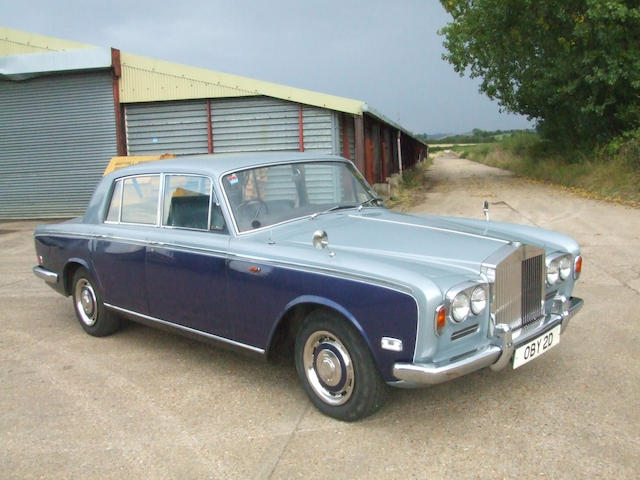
point(295, 255)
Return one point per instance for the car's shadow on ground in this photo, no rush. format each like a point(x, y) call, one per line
point(467, 398)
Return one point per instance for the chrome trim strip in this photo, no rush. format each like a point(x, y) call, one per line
point(186, 329)
point(457, 335)
point(184, 248)
point(426, 227)
point(46, 275)
point(187, 249)
point(86, 236)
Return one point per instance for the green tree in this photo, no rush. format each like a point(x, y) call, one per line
point(572, 65)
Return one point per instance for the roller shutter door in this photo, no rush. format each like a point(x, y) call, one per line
point(167, 127)
point(57, 134)
point(320, 130)
point(255, 124)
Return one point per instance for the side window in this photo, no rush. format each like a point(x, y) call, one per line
point(186, 201)
point(113, 214)
point(217, 218)
point(140, 199)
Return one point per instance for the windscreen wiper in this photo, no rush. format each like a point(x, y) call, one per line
point(376, 201)
point(332, 209)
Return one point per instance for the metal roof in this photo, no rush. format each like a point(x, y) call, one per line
point(149, 80)
point(17, 42)
point(145, 80)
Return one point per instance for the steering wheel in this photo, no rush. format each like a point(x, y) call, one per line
point(244, 208)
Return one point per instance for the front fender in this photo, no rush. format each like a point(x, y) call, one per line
point(379, 313)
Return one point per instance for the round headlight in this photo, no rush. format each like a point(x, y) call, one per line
point(564, 266)
point(553, 273)
point(460, 307)
point(478, 300)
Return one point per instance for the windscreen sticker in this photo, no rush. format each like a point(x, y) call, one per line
point(233, 179)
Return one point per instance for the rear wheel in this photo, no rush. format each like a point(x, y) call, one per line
point(94, 318)
point(336, 368)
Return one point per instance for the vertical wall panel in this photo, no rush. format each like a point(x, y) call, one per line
point(345, 121)
point(319, 130)
point(167, 127)
point(57, 134)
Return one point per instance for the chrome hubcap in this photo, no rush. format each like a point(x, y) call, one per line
point(86, 303)
point(328, 368)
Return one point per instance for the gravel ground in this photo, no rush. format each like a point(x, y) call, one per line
point(146, 404)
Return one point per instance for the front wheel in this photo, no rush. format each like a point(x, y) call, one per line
point(94, 318)
point(336, 368)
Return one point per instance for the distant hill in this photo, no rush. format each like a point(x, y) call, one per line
point(475, 136)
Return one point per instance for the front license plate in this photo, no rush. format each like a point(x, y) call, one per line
point(536, 347)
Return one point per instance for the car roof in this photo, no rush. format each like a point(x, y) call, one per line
point(217, 164)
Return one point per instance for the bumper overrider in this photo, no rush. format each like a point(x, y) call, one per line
point(496, 355)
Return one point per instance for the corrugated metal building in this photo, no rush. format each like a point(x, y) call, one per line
point(67, 108)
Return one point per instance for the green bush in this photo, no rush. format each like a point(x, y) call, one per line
point(610, 172)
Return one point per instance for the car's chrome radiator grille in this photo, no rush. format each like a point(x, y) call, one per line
point(519, 288)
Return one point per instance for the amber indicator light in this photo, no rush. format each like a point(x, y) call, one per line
point(441, 318)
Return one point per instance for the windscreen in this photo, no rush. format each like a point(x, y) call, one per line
point(265, 196)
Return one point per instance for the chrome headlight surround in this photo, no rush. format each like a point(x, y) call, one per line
point(559, 268)
point(460, 307)
point(467, 300)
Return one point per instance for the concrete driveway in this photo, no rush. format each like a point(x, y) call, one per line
point(146, 404)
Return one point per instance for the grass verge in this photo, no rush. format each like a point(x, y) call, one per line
point(607, 173)
point(410, 189)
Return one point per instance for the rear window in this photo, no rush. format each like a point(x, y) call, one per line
point(135, 200)
point(113, 214)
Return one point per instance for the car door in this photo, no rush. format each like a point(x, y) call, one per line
point(186, 259)
point(119, 244)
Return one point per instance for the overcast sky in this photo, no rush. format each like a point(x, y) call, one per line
point(385, 53)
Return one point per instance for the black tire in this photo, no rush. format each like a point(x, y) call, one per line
point(336, 368)
point(94, 318)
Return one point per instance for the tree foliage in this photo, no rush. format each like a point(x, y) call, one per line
point(476, 136)
point(572, 65)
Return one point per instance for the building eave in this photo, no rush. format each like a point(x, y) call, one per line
point(147, 80)
point(25, 66)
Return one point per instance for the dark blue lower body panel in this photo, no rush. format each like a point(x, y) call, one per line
point(257, 300)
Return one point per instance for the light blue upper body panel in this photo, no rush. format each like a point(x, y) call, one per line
point(427, 254)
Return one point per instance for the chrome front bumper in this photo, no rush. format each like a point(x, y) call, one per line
point(494, 356)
